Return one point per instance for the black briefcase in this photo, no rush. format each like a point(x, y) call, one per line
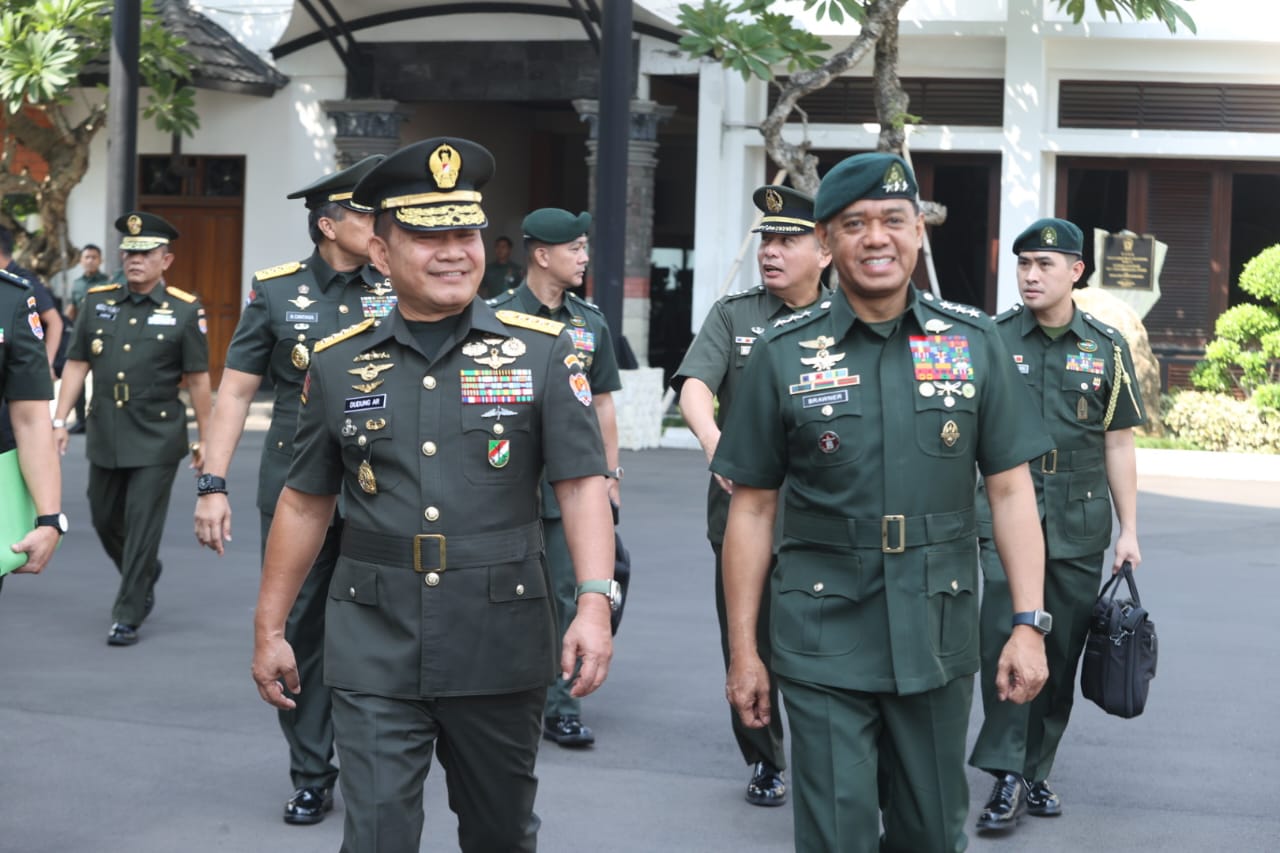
point(1120, 652)
point(622, 574)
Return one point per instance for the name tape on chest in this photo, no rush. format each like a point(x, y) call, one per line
point(828, 398)
point(941, 357)
point(367, 403)
point(496, 386)
point(301, 317)
point(162, 320)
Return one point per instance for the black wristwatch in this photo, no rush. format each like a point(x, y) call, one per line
point(58, 521)
point(1041, 620)
point(210, 484)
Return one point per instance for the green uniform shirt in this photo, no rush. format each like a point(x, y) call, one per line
point(24, 366)
point(876, 432)
point(138, 347)
point(1084, 382)
point(586, 325)
point(499, 278)
point(81, 286)
point(717, 357)
point(449, 450)
point(290, 307)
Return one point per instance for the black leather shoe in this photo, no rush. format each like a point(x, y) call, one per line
point(1007, 803)
point(308, 805)
point(76, 428)
point(1042, 801)
point(122, 634)
point(768, 785)
point(567, 731)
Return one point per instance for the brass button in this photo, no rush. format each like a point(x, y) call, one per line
point(362, 441)
point(279, 444)
point(164, 414)
point(352, 592)
point(428, 448)
point(119, 404)
point(120, 375)
point(429, 382)
point(127, 347)
point(433, 579)
point(519, 589)
point(955, 585)
point(827, 410)
point(160, 337)
point(499, 429)
point(342, 309)
point(819, 586)
point(302, 337)
point(133, 321)
point(431, 514)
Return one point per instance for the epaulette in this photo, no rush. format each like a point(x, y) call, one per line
point(177, 293)
point(1009, 313)
point(103, 288)
point(964, 313)
point(528, 321)
point(797, 319)
point(501, 298)
point(342, 334)
point(1112, 333)
point(278, 270)
point(578, 300)
point(750, 291)
point(14, 279)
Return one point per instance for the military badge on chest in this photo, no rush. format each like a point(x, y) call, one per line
point(370, 366)
point(378, 301)
point(825, 374)
point(497, 386)
point(942, 367)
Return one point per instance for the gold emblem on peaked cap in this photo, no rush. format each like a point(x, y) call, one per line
point(445, 163)
point(1049, 235)
point(134, 224)
point(773, 201)
point(895, 180)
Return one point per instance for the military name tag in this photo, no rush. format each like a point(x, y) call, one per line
point(364, 404)
point(941, 357)
point(814, 400)
point(107, 312)
point(301, 317)
point(496, 386)
point(162, 320)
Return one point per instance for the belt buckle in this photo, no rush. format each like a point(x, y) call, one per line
point(417, 553)
point(115, 392)
point(885, 521)
point(1052, 466)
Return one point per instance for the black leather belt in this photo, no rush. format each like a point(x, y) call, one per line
point(1068, 460)
point(436, 552)
point(891, 534)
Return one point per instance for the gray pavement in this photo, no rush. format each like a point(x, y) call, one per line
point(166, 747)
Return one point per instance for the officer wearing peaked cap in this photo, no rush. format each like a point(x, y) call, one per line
point(435, 427)
point(791, 262)
point(874, 411)
point(292, 306)
point(141, 338)
point(1080, 372)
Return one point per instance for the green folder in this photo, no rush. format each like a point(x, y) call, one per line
point(17, 511)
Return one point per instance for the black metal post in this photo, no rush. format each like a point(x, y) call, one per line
point(122, 111)
point(611, 162)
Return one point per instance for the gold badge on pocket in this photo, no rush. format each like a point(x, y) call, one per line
point(301, 356)
point(364, 475)
point(95, 346)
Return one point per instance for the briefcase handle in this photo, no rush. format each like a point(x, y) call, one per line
point(1112, 586)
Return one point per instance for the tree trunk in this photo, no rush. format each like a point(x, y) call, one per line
point(891, 98)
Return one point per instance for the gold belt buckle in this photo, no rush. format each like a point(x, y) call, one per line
point(1052, 466)
point(116, 393)
point(901, 521)
point(417, 553)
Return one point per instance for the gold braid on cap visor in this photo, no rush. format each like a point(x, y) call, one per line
point(142, 244)
point(442, 216)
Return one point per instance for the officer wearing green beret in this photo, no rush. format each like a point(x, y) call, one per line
point(791, 262)
point(556, 245)
point(292, 306)
point(874, 410)
point(436, 426)
point(26, 386)
point(1081, 374)
point(141, 338)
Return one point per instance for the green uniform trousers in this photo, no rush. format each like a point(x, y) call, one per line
point(755, 744)
point(308, 728)
point(563, 585)
point(1024, 738)
point(852, 750)
point(128, 507)
point(487, 746)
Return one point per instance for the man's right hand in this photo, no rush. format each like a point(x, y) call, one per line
point(273, 662)
point(213, 521)
point(747, 689)
point(61, 439)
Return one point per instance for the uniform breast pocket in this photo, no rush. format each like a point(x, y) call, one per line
point(829, 427)
point(1082, 395)
point(368, 451)
point(1088, 510)
point(819, 598)
point(497, 444)
point(945, 430)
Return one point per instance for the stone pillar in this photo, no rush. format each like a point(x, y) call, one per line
point(363, 127)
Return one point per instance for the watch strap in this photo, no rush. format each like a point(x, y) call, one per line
point(210, 484)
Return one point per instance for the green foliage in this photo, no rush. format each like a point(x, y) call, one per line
point(1261, 275)
point(1246, 352)
point(19, 205)
point(1266, 398)
point(1221, 422)
point(1167, 12)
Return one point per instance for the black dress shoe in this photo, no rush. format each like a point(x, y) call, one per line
point(567, 731)
point(768, 786)
point(1042, 801)
point(308, 805)
point(122, 634)
point(76, 428)
point(1007, 803)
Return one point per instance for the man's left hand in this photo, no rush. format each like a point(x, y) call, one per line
point(38, 545)
point(1022, 670)
point(1126, 552)
point(589, 637)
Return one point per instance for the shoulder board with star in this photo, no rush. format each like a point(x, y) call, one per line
point(344, 334)
point(586, 303)
point(278, 270)
point(18, 280)
point(528, 321)
point(786, 324)
point(103, 288)
point(964, 313)
point(1111, 332)
point(179, 294)
point(750, 291)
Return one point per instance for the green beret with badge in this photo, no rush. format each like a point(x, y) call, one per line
point(337, 188)
point(786, 211)
point(432, 185)
point(144, 231)
point(876, 175)
point(1050, 235)
point(554, 226)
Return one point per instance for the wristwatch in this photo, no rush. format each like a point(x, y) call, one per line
point(59, 423)
point(1041, 620)
point(58, 521)
point(615, 473)
point(210, 484)
point(609, 589)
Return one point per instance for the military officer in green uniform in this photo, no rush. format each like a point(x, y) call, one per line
point(435, 427)
point(140, 338)
point(26, 386)
point(556, 246)
point(791, 262)
point(291, 306)
point(1081, 374)
point(874, 410)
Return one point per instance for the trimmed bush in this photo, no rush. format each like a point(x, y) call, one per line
point(1221, 422)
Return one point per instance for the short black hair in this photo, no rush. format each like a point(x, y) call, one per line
point(331, 210)
point(87, 246)
point(503, 238)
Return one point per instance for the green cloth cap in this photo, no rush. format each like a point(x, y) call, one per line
point(876, 175)
point(1051, 235)
point(553, 226)
point(144, 231)
point(338, 186)
point(432, 185)
point(786, 211)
